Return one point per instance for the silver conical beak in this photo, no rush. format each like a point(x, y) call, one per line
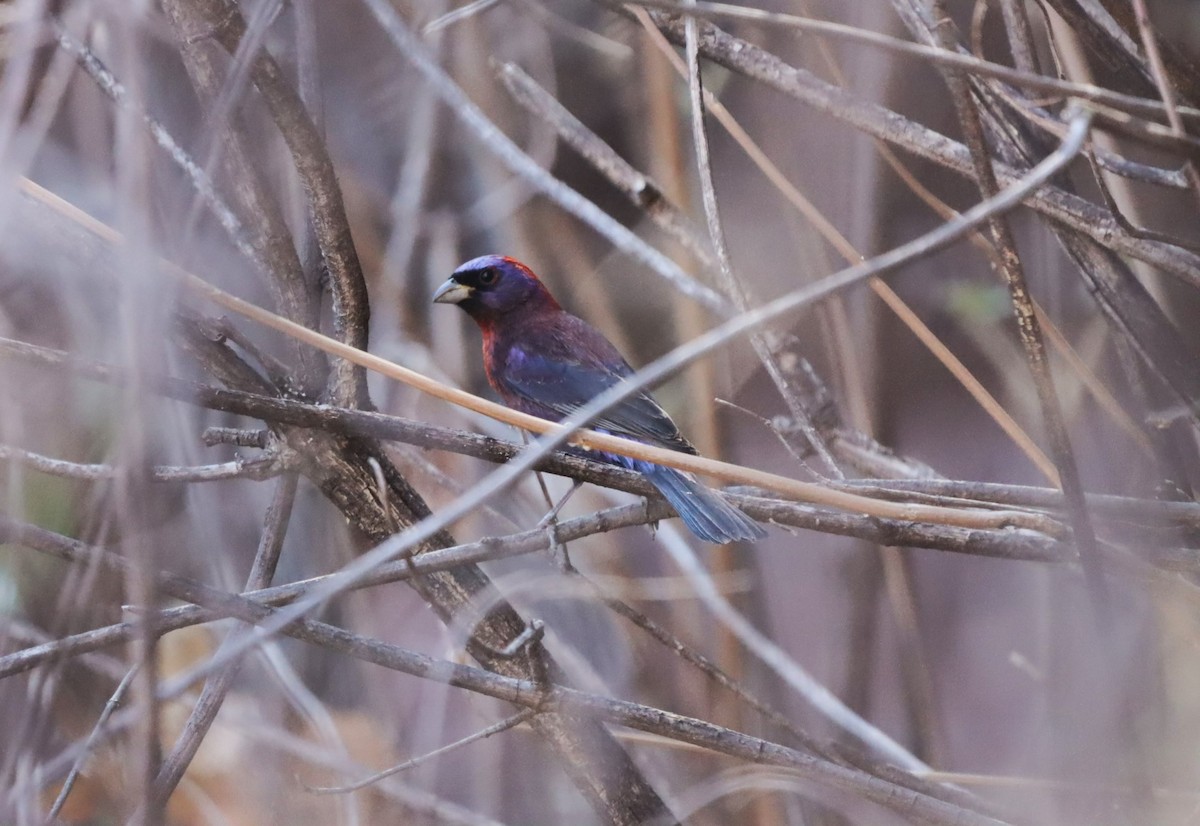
point(452, 292)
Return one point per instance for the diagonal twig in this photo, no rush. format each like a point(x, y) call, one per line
point(939, 25)
point(216, 688)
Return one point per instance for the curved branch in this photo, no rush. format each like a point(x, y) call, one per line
point(348, 288)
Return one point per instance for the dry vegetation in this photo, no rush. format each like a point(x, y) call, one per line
point(979, 600)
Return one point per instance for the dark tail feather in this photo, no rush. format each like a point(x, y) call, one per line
point(705, 512)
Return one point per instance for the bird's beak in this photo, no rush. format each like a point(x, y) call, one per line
point(452, 292)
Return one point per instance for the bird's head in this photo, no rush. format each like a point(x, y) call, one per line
point(491, 287)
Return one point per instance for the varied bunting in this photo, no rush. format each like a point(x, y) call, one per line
point(546, 362)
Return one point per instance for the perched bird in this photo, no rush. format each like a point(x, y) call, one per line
point(548, 363)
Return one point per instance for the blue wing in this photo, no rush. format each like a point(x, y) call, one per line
point(560, 385)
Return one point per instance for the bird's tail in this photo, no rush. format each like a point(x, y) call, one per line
point(704, 511)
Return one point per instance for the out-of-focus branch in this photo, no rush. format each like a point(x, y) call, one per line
point(212, 697)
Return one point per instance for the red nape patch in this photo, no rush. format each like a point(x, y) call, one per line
point(521, 267)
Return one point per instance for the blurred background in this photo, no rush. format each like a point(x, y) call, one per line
point(996, 672)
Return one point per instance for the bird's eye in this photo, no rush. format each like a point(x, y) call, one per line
point(488, 276)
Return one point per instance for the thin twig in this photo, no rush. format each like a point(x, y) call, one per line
point(699, 661)
point(803, 683)
point(504, 725)
point(90, 744)
point(1110, 201)
point(239, 437)
point(414, 800)
point(475, 7)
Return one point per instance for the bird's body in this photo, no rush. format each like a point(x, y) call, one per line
point(548, 363)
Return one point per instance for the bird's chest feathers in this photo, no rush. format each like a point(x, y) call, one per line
point(527, 371)
point(501, 356)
